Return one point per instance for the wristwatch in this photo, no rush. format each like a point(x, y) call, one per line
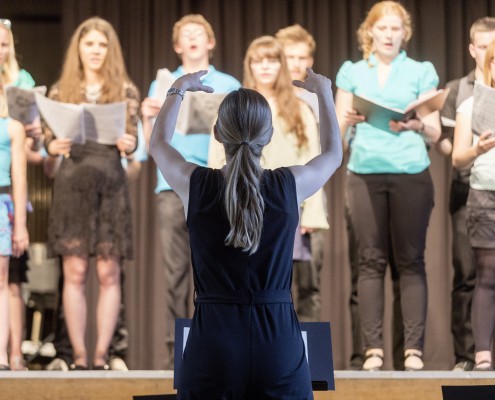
point(173, 90)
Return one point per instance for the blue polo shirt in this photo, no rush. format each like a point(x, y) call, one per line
point(194, 148)
point(376, 151)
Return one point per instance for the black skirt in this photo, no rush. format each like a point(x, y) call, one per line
point(91, 213)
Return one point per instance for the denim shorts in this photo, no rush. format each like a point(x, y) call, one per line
point(6, 219)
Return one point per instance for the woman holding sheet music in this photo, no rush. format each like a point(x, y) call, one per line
point(91, 213)
point(389, 184)
point(14, 238)
point(478, 152)
point(12, 75)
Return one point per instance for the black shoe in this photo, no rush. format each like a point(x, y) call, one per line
point(4, 367)
point(464, 366)
point(104, 367)
point(78, 367)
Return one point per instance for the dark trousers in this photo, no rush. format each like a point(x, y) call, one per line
point(391, 210)
point(176, 256)
point(120, 340)
point(464, 275)
point(306, 277)
point(357, 356)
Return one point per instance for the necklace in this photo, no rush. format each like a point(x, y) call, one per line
point(92, 92)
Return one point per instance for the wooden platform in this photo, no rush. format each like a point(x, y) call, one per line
point(113, 385)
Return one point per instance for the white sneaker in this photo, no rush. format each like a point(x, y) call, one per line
point(117, 364)
point(374, 360)
point(413, 360)
point(57, 364)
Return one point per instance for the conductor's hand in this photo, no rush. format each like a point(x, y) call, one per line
point(192, 83)
point(314, 83)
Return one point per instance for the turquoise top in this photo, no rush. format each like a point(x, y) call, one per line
point(194, 148)
point(24, 80)
point(5, 153)
point(376, 151)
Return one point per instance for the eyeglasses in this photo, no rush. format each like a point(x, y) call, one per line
point(6, 22)
point(195, 32)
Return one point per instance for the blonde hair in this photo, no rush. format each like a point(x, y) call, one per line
point(296, 34)
point(374, 14)
point(287, 102)
point(4, 111)
point(244, 126)
point(485, 24)
point(9, 71)
point(193, 19)
point(487, 70)
point(113, 69)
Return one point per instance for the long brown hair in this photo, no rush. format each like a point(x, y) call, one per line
point(288, 107)
point(379, 10)
point(113, 71)
point(244, 126)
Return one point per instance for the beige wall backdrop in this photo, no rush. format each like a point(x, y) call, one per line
point(43, 28)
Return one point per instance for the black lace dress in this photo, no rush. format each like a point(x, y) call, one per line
point(91, 212)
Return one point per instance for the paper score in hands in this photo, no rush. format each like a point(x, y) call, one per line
point(483, 117)
point(22, 103)
point(198, 111)
point(380, 115)
point(101, 123)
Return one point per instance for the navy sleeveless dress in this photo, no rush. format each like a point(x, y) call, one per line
point(245, 341)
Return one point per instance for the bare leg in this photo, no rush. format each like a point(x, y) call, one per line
point(108, 307)
point(74, 302)
point(17, 310)
point(4, 309)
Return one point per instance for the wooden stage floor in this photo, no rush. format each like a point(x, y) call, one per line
point(113, 385)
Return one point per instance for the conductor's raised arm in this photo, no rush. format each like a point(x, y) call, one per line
point(313, 175)
point(175, 169)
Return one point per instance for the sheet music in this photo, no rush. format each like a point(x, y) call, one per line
point(102, 123)
point(483, 117)
point(380, 115)
point(198, 110)
point(164, 80)
point(22, 103)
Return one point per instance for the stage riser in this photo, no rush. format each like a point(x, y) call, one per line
point(122, 386)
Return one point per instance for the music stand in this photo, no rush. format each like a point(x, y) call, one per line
point(317, 339)
point(475, 392)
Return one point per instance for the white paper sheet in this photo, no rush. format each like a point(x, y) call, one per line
point(101, 123)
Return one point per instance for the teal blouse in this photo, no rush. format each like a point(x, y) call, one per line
point(376, 151)
point(24, 80)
